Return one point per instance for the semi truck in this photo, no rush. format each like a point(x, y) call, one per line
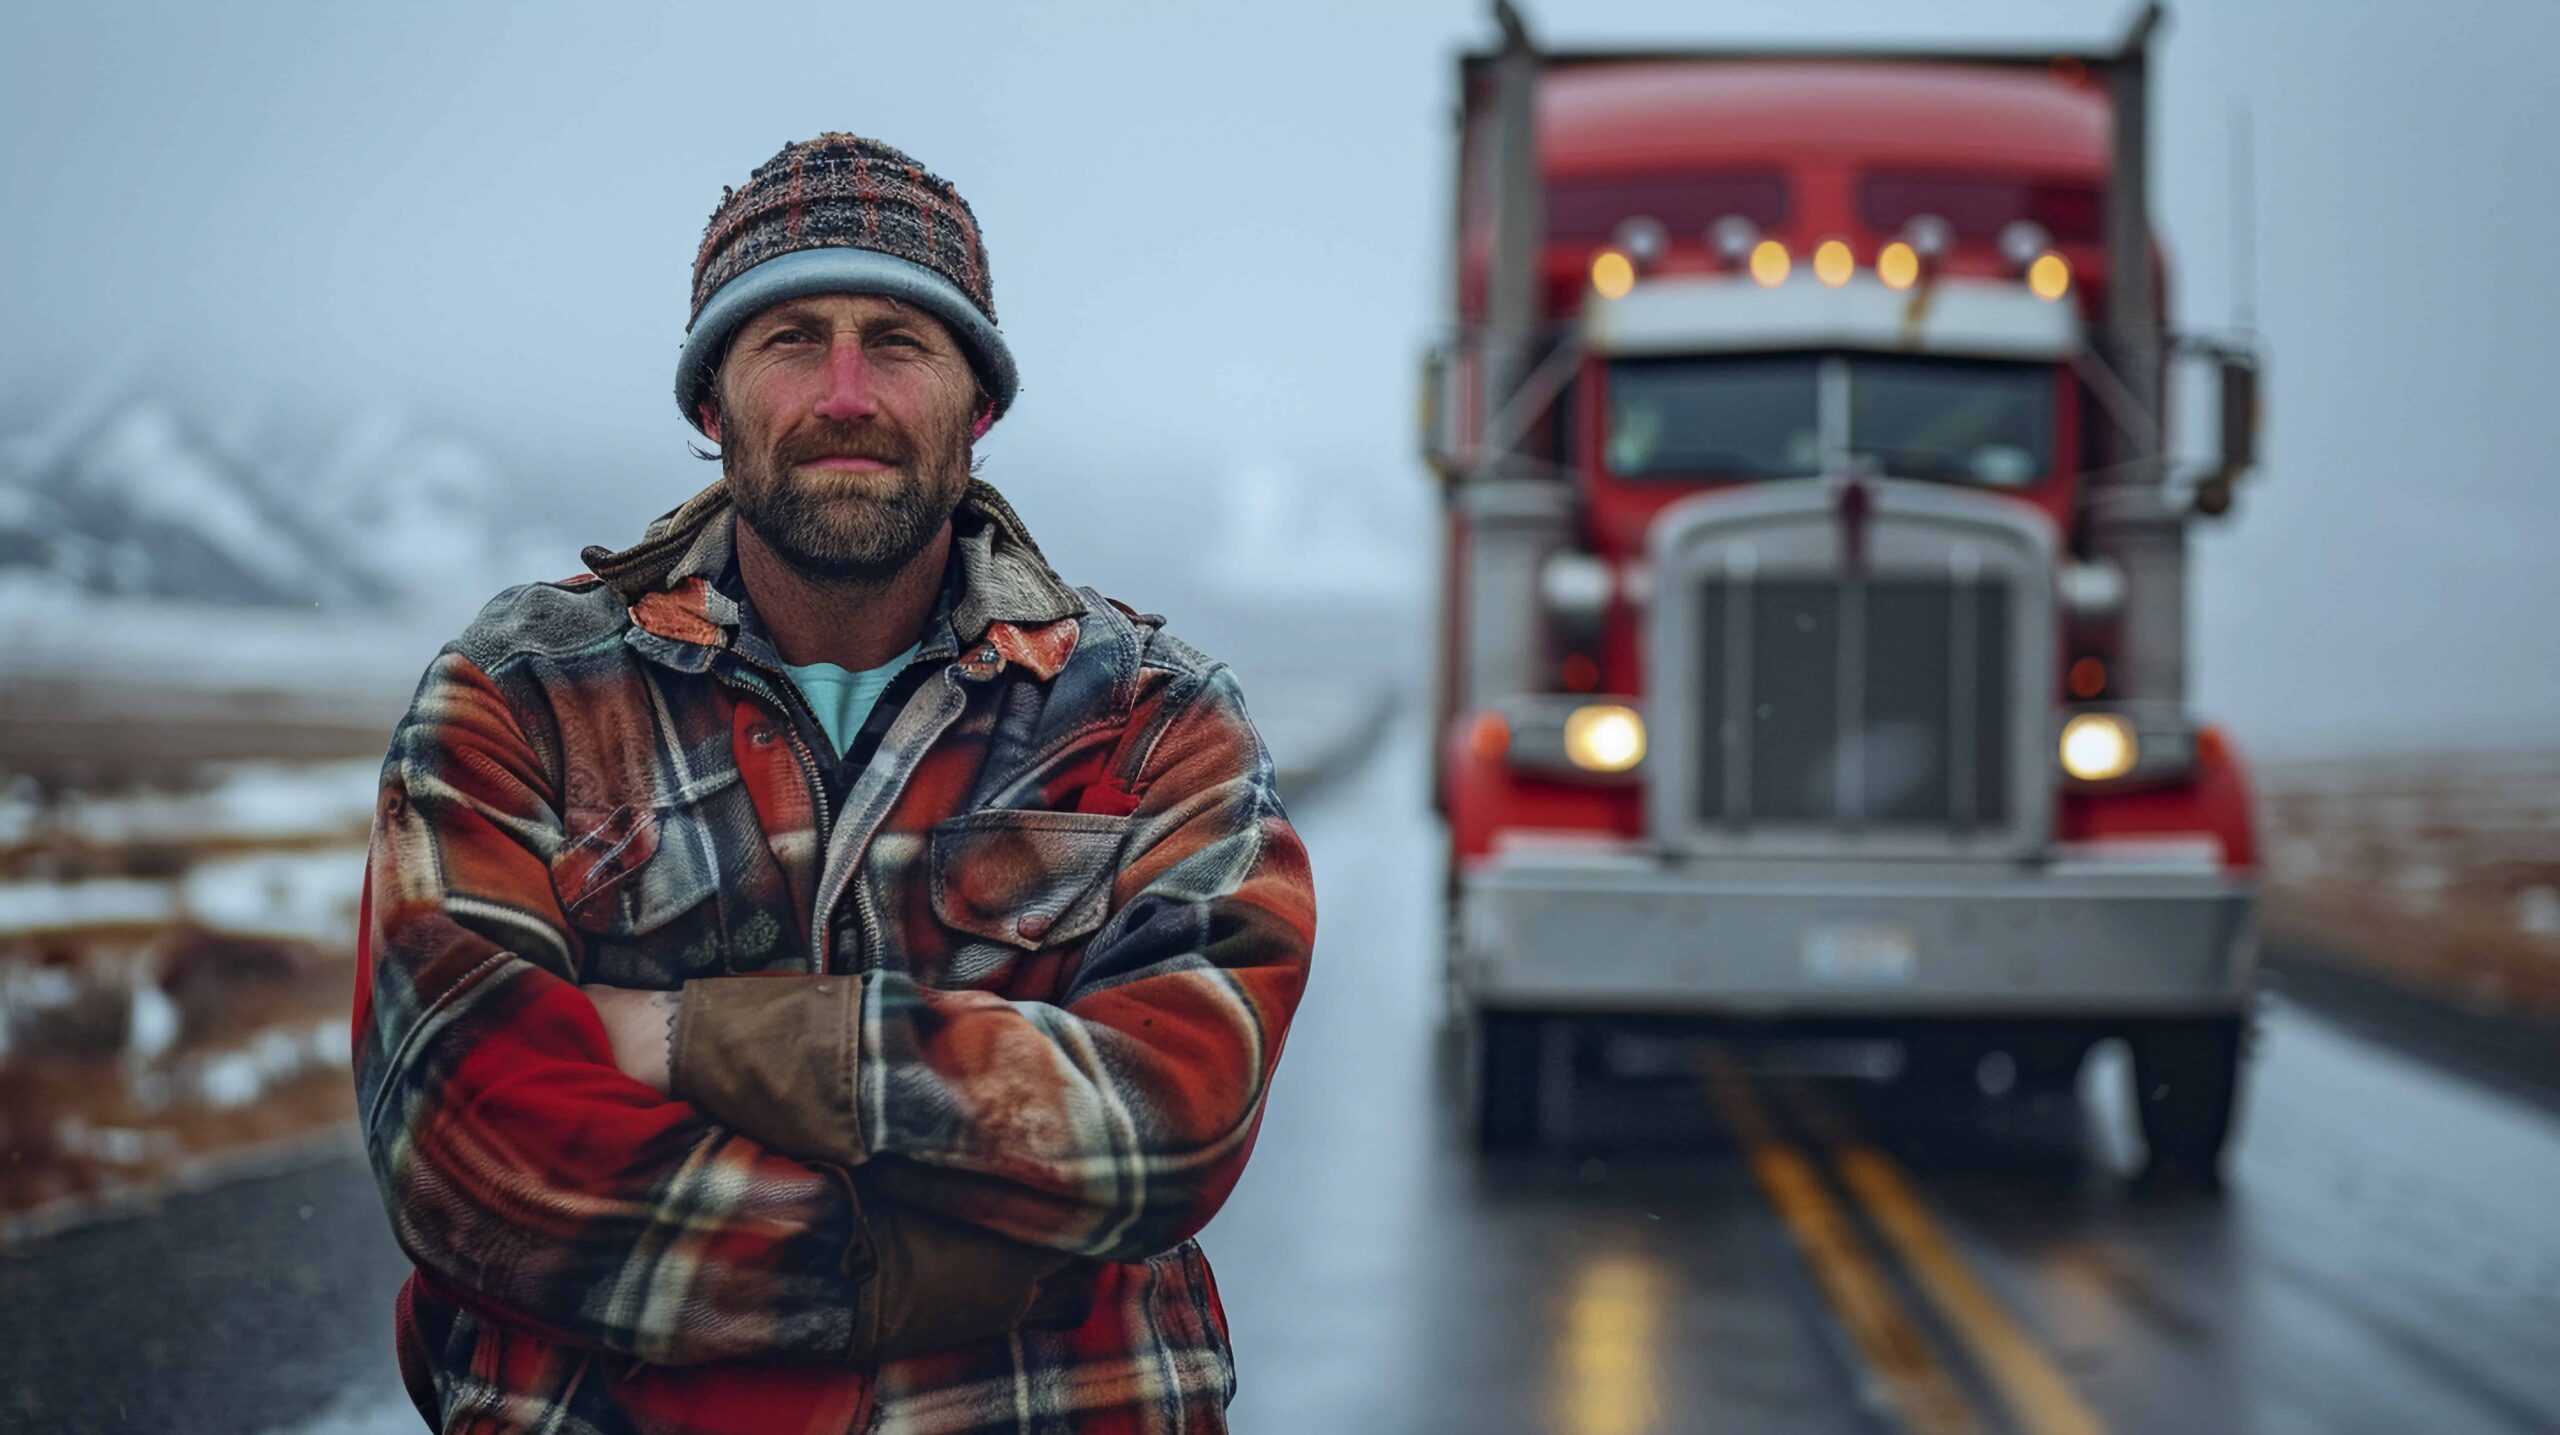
point(1813, 611)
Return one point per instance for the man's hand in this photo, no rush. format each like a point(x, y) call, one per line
point(936, 1283)
point(642, 1026)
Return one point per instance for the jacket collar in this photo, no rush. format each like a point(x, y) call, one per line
point(1005, 593)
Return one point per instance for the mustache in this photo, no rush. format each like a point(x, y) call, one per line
point(834, 440)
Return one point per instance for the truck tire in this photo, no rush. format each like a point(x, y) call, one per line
point(2186, 1084)
point(1504, 1084)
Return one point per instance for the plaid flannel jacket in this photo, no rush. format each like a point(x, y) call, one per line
point(1031, 974)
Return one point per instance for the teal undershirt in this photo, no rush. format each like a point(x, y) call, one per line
point(841, 698)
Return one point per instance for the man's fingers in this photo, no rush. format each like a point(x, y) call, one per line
point(640, 1025)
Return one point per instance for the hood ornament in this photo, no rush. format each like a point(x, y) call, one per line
point(1853, 507)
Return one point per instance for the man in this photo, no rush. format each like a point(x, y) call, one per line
point(819, 969)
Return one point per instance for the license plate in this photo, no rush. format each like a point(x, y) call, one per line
point(1859, 954)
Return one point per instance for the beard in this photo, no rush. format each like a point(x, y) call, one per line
point(843, 527)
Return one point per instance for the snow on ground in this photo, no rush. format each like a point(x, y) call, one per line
point(310, 895)
point(239, 803)
point(105, 902)
point(235, 1077)
point(51, 636)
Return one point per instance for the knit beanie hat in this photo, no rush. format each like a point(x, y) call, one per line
point(841, 214)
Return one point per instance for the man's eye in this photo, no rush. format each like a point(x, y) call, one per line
point(789, 336)
point(906, 340)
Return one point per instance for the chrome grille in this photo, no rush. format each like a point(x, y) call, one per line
point(1813, 696)
point(1881, 702)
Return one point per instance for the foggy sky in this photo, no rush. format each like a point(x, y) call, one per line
point(1216, 234)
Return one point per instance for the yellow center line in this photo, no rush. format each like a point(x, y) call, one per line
point(1608, 1376)
point(2036, 1392)
point(1913, 1382)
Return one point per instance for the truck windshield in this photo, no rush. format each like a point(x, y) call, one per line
point(1974, 421)
point(1749, 416)
point(1953, 420)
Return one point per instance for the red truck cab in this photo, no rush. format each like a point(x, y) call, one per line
point(1813, 624)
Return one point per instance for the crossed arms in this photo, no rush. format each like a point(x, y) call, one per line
point(976, 1145)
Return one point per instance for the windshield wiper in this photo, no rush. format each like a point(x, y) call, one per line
point(1923, 464)
point(1712, 461)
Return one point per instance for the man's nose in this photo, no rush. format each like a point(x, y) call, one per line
point(851, 390)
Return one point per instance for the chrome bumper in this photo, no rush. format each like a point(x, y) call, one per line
point(1618, 930)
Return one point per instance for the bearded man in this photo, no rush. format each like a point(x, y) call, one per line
point(819, 970)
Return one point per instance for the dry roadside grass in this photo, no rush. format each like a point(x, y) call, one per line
point(2439, 872)
point(176, 979)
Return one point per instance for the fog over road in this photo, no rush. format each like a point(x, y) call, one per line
point(1742, 1247)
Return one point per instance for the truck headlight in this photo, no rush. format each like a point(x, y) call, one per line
point(2098, 746)
point(1604, 737)
point(1592, 739)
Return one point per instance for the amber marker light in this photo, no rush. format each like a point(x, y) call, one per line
point(2049, 276)
point(1612, 273)
point(2097, 746)
point(1604, 737)
point(1833, 263)
point(2088, 678)
point(1898, 265)
point(1769, 263)
point(1490, 737)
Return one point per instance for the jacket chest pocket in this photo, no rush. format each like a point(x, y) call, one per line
point(1011, 883)
point(636, 881)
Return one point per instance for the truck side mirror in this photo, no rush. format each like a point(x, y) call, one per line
point(2239, 416)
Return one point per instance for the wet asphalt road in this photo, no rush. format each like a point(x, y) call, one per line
point(1739, 1246)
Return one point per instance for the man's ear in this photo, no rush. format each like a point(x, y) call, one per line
point(710, 419)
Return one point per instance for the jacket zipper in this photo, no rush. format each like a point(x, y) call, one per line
point(862, 904)
point(820, 904)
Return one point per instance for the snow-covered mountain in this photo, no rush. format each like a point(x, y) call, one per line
point(144, 504)
point(427, 514)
